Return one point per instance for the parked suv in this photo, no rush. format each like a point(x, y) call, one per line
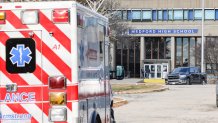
point(186, 75)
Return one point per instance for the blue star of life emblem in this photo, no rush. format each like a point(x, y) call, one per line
point(20, 55)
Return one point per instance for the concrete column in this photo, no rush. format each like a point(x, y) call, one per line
point(173, 51)
point(112, 55)
point(142, 51)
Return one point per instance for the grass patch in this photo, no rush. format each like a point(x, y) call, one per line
point(135, 87)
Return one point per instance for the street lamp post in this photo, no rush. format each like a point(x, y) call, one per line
point(202, 38)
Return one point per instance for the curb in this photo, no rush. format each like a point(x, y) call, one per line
point(119, 101)
point(142, 91)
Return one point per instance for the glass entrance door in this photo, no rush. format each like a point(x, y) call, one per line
point(155, 71)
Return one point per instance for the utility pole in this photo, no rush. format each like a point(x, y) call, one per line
point(202, 38)
point(94, 4)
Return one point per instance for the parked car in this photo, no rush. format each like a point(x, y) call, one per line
point(186, 75)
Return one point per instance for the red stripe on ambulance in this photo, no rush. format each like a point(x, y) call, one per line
point(46, 51)
point(58, 34)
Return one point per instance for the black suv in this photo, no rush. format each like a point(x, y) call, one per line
point(186, 75)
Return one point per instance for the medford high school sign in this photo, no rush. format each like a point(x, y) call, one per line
point(163, 31)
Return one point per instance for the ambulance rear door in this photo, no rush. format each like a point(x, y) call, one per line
point(21, 83)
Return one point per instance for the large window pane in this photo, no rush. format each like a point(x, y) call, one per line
point(190, 15)
point(185, 14)
point(197, 14)
point(161, 48)
point(155, 48)
point(146, 15)
point(137, 59)
point(185, 52)
point(148, 48)
point(168, 48)
point(209, 14)
point(178, 51)
point(118, 14)
point(192, 51)
point(216, 12)
point(165, 15)
point(170, 15)
point(136, 14)
point(160, 15)
point(178, 15)
point(129, 15)
point(154, 15)
point(124, 15)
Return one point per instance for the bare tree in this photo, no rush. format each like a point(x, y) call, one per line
point(118, 25)
point(211, 54)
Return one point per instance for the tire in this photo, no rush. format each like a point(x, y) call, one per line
point(112, 116)
point(188, 81)
point(216, 100)
point(203, 82)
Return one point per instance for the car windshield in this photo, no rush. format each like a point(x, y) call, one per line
point(181, 70)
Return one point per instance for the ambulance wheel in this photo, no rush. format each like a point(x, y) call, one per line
point(216, 100)
point(112, 116)
point(96, 118)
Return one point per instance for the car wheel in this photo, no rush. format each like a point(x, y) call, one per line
point(188, 82)
point(203, 82)
point(216, 100)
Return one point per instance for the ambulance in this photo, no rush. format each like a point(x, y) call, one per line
point(54, 64)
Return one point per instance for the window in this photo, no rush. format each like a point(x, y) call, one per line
point(124, 15)
point(178, 52)
point(154, 15)
point(160, 15)
point(165, 15)
point(146, 15)
point(197, 15)
point(136, 15)
point(216, 14)
point(129, 15)
point(185, 52)
point(192, 51)
point(209, 14)
point(190, 15)
point(178, 15)
point(118, 14)
point(185, 14)
point(170, 15)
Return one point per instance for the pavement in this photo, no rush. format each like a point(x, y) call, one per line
point(180, 104)
point(118, 101)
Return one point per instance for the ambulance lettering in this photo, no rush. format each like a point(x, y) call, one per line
point(20, 97)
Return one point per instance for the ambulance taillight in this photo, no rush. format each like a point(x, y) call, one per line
point(2, 17)
point(61, 16)
point(57, 114)
point(57, 99)
point(57, 82)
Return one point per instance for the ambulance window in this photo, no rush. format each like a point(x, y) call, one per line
point(20, 55)
point(101, 36)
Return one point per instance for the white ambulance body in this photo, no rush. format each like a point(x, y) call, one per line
point(53, 63)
